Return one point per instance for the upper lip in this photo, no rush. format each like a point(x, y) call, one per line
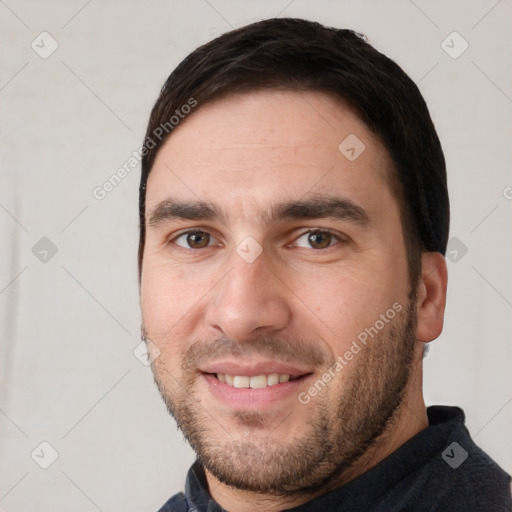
point(251, 368)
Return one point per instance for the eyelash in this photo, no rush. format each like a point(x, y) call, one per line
point(340, 238)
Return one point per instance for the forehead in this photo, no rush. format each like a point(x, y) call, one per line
point(258, 147)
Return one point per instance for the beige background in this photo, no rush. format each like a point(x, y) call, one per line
point(69, 324)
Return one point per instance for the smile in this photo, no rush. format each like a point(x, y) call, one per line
point(254, 382)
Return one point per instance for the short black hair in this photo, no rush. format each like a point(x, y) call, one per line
point(301, 55)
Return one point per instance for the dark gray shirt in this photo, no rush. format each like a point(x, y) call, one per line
point(439, 469)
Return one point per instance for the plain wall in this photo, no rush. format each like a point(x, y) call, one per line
point(70, 324)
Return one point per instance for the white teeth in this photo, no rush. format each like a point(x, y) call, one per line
point(273, 379)
point(258, 381)
point(255, 382)
point(240, 381)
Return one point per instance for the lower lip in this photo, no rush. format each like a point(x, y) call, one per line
point(249, 398)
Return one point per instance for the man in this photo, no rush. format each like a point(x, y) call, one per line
point(294, 217)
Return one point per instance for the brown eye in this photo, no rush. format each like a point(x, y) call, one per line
point(317, 239)
point(320, 239)
point(193, 240)
point(198, 240)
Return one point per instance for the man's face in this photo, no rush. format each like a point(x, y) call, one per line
point(308, 304)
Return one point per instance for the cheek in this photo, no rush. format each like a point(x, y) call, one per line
point(346, 303)
point(174, 298)
point(165, 301)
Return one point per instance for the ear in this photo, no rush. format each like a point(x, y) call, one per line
point(431, 296)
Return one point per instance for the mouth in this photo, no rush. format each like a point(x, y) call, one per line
point(254, 386)
point(257, 381)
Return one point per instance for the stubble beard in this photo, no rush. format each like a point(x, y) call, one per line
point(338, 432)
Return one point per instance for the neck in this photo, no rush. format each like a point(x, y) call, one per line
point(409, 419)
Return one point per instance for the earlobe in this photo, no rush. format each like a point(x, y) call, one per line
point(431, 296)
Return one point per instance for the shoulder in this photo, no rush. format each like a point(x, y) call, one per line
point(465, 478)
point(479, 483)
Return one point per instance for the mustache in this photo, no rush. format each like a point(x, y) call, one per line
point(286, 351)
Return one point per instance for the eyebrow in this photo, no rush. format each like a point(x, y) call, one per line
point(317, 207)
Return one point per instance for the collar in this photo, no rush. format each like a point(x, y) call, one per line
point(368, 489)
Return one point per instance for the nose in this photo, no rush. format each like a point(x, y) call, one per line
point(250, 298)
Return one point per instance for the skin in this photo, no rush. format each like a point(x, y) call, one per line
point(245, 153)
